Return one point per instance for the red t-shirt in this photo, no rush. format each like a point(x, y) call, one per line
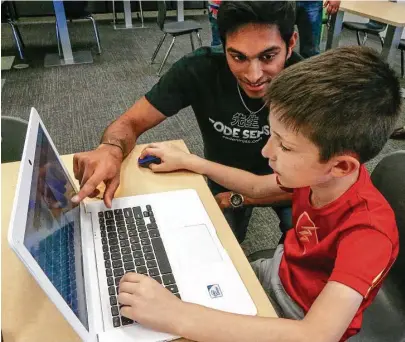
point(353, 240)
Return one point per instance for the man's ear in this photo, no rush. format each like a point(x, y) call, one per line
point(344, 165)
point(291, 44)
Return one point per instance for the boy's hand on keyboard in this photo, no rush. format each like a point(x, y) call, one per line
point(172, 157)
point(146, 301)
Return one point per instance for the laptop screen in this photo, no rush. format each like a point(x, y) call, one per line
point(52, 233)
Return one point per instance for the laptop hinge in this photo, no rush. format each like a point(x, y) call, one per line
point(84, 207)
point(91, 272)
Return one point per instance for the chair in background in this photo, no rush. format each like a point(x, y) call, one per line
point(401, 46)
point(76, 10)
point(123, 26)
point(8, 17)
point(384, 319)
point(13, 131)
point(372, 27)
point(175, 29)
point(375, 28)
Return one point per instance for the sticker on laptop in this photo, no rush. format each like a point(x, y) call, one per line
point(214, 291)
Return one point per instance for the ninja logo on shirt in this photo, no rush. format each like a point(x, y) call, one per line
point(244, 127)
point(306, 232)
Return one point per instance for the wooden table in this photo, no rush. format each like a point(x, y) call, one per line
point(28, 315)
point(386, 12)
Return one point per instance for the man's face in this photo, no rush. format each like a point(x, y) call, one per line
point(255, 54)
point(293, 157)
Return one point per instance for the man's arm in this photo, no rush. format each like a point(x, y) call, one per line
point(103, 164)
point(147, 302)
point(129, 126)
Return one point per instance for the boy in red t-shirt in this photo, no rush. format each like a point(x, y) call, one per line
point(328, 116)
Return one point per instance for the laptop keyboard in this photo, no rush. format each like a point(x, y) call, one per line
point(131, 243)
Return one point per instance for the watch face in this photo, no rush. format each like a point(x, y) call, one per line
point(236, 200)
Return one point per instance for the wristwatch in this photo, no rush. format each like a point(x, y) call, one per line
point(236, 200)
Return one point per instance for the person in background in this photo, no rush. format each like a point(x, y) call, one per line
point(213, 7)
point(309, 23)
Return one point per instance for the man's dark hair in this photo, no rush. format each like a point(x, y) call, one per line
point(232, 15)
point(345, 100)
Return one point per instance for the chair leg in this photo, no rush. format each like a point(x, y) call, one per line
point(381, 40)
point(17, 39)
point(17, 30)
point(402, 64)
point(365, 38)
point(58, 39)
point(199, 38)
point(358, 37)
point(140, 9)
point(167, 55)
point(114, 13)
point(158, 48)
point(191, 41)
point(96, 33)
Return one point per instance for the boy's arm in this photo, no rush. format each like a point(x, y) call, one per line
point(280, 200)
point(240, 181)
point(147, 302)
point(231, 178)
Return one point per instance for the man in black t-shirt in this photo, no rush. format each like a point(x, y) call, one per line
point(225, 91)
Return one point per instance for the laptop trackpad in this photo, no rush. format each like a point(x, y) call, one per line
point(194, 246)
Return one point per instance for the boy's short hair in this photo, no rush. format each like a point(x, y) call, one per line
point(234, 14)
point(345, 100)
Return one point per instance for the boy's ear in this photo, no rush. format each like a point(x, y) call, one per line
point(344, 165)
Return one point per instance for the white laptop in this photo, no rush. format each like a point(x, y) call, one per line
point(78, 254)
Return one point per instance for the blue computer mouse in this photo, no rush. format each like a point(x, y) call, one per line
point(147, 160)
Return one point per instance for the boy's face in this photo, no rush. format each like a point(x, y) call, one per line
point(255, 54)
point(294, 158)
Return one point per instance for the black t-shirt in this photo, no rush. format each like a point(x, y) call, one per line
point(204, 81)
